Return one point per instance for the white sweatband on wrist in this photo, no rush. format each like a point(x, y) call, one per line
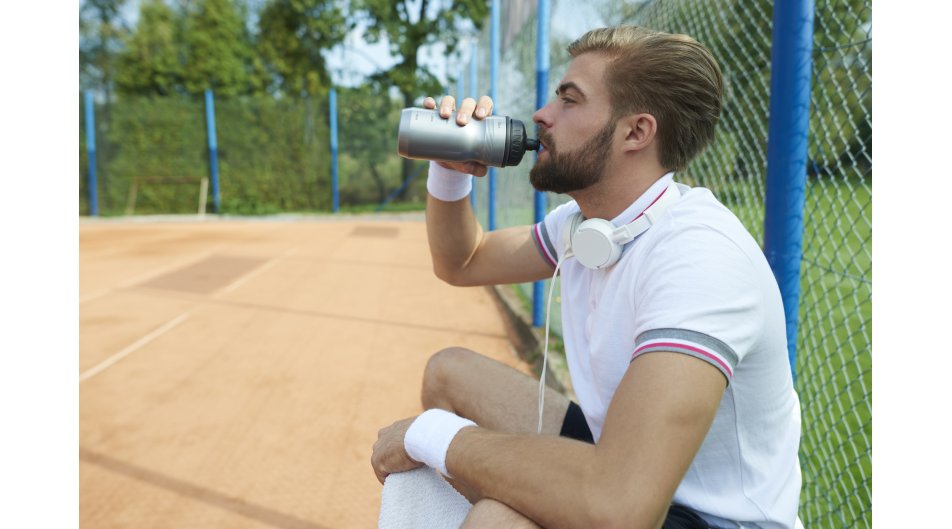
point(429, 437)
point(446, 184)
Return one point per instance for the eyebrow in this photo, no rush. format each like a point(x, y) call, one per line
point(569, 86)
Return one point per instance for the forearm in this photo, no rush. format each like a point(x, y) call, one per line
point(554, 481)
point(453, 234)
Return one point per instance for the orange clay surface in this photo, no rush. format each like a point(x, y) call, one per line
point(235, 373)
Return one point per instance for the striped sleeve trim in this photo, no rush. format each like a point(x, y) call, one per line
point(696, 344)
point(541, 237)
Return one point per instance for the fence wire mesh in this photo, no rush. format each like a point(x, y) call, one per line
point(835, 322)
point(273, 155)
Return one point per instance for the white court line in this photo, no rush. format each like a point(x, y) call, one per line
point(257, 271)
point(132, 348)
point(151, 274)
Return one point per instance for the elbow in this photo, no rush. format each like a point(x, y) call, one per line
point(449, 276)
point(611, 510)
point(624, 517)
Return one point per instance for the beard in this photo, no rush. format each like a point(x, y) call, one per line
point(576, 170)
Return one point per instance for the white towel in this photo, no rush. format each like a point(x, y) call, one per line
point(420, 498)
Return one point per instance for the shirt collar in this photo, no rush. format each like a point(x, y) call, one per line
point(642, 203)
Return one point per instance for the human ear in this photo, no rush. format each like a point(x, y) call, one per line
point(641, 130)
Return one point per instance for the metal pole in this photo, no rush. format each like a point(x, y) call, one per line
point(791, 63)
point(335, 192)
point(91, 153)
point(542, 91)
point(493, 75)
point(472, 93)
point(212, 147)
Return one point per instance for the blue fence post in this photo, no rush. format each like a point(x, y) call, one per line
point(493, 75)
point(474, 95)
point(791, 65)
point(335, 190)
point(212, 147)
point(91, 153)
point(542, 92)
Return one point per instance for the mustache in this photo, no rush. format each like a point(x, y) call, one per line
point(546, 139)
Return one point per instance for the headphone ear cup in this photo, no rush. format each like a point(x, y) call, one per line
point(593, 244)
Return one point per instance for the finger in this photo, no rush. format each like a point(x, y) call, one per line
point(476, 169)
point(447, 106)
point(429, 102)
point(484, 107)
point(465, 111)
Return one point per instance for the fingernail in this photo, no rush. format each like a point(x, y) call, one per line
point(481, 112)
point(463, 118)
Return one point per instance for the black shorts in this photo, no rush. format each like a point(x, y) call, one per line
point(575, 427)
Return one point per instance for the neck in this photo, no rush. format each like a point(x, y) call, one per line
point(621, 185)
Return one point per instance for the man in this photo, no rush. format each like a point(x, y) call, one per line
point(687, 416)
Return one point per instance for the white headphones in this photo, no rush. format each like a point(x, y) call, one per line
point(597, 243)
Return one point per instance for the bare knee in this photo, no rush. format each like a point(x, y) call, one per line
point(442, 371)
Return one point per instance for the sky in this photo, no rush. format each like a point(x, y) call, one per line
point(356, 59)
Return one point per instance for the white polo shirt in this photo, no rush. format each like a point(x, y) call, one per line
point(695, 283)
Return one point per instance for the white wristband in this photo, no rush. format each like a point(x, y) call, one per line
point(429, 437)
point(446, 184)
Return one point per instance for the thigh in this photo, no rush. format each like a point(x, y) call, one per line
point(491, 514)
point(490, 393)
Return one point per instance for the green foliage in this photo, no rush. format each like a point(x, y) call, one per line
point(218, 48)
point(208, 44)
point(408, 26)
point(368, 140)
point(100, 37)
point(293, 35)
point(150, 62)
point(273, 155)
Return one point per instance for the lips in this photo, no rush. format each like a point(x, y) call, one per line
point(544, 141)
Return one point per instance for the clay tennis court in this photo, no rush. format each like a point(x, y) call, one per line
point(235, 373)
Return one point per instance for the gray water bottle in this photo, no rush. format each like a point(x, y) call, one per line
point(498, 141)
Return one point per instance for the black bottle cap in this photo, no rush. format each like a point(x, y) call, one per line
point(516, 146)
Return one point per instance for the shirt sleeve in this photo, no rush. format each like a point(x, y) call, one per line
point(547, 234)
point(701, 296)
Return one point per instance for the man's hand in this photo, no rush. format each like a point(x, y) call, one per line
point(389, 453)
point(468, 109)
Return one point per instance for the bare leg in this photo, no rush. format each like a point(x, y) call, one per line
point(491, 514)
point(491, 394)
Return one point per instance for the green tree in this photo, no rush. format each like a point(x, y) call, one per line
point(371, 117)
point(292, 38)
point(100, 38)
point(151, 64)
point(218, 48)
point(408, 26)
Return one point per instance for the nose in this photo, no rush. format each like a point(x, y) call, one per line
point(542, 118)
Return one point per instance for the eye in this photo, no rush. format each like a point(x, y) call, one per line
point(567, 100)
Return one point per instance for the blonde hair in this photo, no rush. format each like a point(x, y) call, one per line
point(672, 77)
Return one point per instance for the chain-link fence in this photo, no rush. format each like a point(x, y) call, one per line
point(273, 155)
point(835, 322)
